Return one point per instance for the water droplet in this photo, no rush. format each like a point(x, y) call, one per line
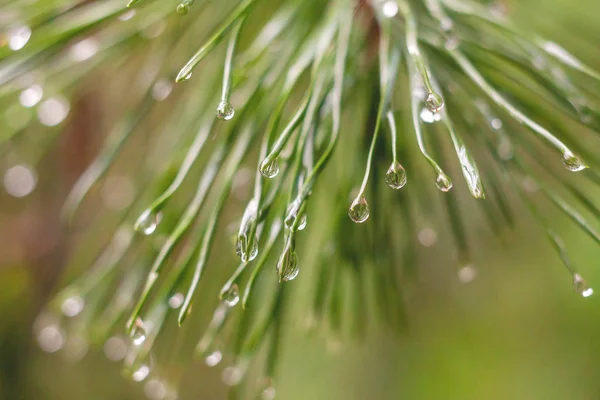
point(434, 102)
point(31, 96)
point(214, 358)
point(231, 296)
point(154, 389)
point(287, 265)
point(187, 77)
point(19, 181)
point(572, 162)
point(72, 305)
point(232, 376)
point(147, 222)
point(53, 111)
point(303, 221)
point(161, 89)
point(84, 49)
point(429, 117)
point(395, 177)
point(115, 349)
point(581, 286)
point(359, 210)
point(269, 168)
point(18, 37)
point(182, 9)
point(467, 274)
point(443, 182)
point(427, 237)
point(176, 300)
point(51, 338)
point(246, 249)
point(138, 334)
point(225, 110)
point(141, 373)
point(268, 392)
point(390, 9)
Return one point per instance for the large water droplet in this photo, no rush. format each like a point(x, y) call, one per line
point(231, 296)
point(246, 249)
point(395, 177)
point(572, 162)
point(434, 102)
point(225, 110)
point(269, 168)
point(359, 210)
point(443, 182)
point(148, 222)
point(287, 265)
point(182, 9)
point(138, 333)
point(581, 286)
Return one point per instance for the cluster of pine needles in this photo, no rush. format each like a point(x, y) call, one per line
point(349, 100)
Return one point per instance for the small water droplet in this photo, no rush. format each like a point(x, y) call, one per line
point(390, 9)
point(268, 391)
point(287, 265)
point(51, 338)
point(303, 221)
point(148, 222)
point(182, 9)
point(581, 286)
point(115, 349)
point(225, 110)
point(141, 373)
point(359, 210)
point(434, 102)
point(231, 296)
point(467, 274)
point(269, 168)
point(18, 37)
point(214, 358)
point(246, 249)
point(443, 182)
point(138, 334)
point(176, 300)
point(187, 77)
point(72, 305)
point(395, 177)
point(31, 96)
point(232, 376)
point(572, 162)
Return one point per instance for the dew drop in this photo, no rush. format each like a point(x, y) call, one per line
point(231, 296)
point(141, 373)
point(268, 392)
point(214, 358)
point(72, 306)
point(303, 221)
point(115, 349)
point(51, 338)
point(390, 9)
point(187, 77)
point(434, 102)
point(359, 210)
point(572, 162)
point(148, 222)
point(395, 177)
point(287, 265)
point(138, 334)
point(232, 376)
point(467, 274)
point(182, 9)
point(246, 249)
point(225, 110)
point(269, 168)
point(581, 286)
point(176, 300)
point(443, 182)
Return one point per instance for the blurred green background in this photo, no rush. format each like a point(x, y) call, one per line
point(518, 331)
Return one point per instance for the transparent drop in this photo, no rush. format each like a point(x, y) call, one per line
point(225, 110)
point(214, 358)
point(245, 249)
point(231, 296)
point(467, 274)
point(395, 177)
point(269, 169)
point(182, 9)
point(287, 265)
point(138, 334)
point(268, 391)
point(176, 300)
point(359, 210)
point(443, 182)
point(572, 162)
point(72, 306)
point(147, 222)
point(434, 102)
point(141, 372)
point(303, 221)
point(581, 286)
point(187, 77)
